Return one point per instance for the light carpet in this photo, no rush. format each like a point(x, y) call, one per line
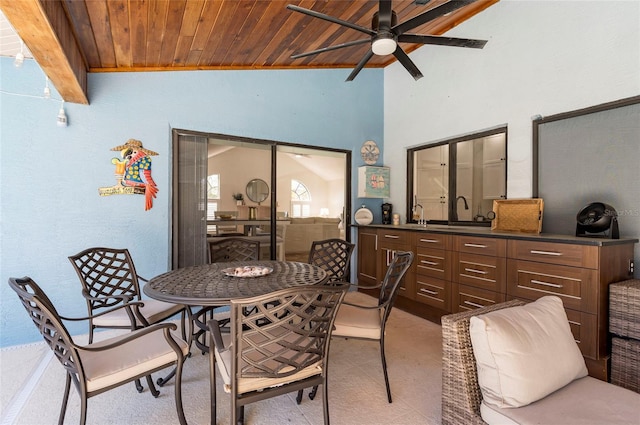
point(32, 384)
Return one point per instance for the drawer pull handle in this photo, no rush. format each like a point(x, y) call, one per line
point(429, 240)
point(476, 305)
point(475, 271)
point(475, 245)
point(556, 254)
point(392, 237)
point(430, 263)
point(540, 282)
point(427, 291)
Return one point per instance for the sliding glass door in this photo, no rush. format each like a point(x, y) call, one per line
point(283, 195)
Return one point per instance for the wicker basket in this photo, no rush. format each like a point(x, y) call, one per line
point(625, 363)
point(624, 308)
point(518, 215)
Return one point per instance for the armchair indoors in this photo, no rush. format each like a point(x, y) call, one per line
point(278, 343)
point(106, 275)
point(368, 322)
point(100, 367)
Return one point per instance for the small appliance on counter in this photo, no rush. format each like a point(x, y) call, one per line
point(596, 219)
point(387, 212)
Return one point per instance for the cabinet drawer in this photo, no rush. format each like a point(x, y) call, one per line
point(575, 286)
point(407, 286)
point(432, 262)
point(432, 240)
point(480, 245)
point(481, 271)
point(555, 253)
point(394, 236)
point(433, 292)
point(469, 298)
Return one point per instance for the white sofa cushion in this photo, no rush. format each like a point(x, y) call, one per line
point(524, 353)
point(152, 310)
point(585, 401)
point(356, 322)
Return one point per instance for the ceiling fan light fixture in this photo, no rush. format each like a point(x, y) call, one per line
point(383, 45)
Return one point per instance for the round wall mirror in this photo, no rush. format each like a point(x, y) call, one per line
point(257, 190)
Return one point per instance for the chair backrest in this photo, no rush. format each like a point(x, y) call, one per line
point(391, 283)
point(46, 318)
point(278, 334)
point(461, 395)
point(233, 249)
point(333, 256)
point(105, 272)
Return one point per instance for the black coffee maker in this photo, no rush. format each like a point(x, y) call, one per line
point(387, 212)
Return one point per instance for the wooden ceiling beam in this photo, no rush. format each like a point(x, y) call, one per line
point(44, 27)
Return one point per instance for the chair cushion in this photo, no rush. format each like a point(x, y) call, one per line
point(585, 401)
point(153, 310)
point(245, 385)
point(112, 366)
point(357, 322)
point(524, 353)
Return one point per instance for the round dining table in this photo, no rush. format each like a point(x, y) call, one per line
point(214, 285)
point(210, 285)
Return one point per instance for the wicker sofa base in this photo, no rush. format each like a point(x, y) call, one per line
point(625, 363)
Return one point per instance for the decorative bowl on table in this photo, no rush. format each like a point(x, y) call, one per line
point(224, 216)
point(247, 271)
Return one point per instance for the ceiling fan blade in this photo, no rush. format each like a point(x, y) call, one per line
point(407, 63)
point(330, 48)
point(330, 19)
point(384, 14)
point(360, 65)
point(441, 41)
point(430, 15)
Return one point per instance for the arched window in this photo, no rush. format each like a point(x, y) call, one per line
point(300, 199)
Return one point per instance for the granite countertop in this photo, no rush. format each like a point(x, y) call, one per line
point(487, 232)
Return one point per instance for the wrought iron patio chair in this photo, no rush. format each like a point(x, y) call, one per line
point(233, 249)
point(100, 367)
point(223, 250)
point(106, 274)
point(369, 321)
point(334, 257)
point(279, 343)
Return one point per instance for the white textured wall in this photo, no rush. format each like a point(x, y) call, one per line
point(543, 57)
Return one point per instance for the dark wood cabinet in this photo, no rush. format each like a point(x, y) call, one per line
point(367, 257)
point(389, 242)
point(456, 271)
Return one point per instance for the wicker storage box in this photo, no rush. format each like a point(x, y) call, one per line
point(624, 308)
point(625, 363)
point(518, 215)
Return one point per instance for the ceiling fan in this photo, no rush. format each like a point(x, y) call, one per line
point(386, 33)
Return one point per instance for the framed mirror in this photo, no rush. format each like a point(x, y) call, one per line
point(257, 190)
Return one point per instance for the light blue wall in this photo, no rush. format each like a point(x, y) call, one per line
point(49, 176)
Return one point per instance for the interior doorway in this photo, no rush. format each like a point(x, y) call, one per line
point(284, 195)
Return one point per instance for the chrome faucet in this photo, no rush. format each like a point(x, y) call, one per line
point(422, 221)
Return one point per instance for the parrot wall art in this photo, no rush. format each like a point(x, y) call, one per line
point(133, 172)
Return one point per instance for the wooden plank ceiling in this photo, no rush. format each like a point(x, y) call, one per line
point(69, 38)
